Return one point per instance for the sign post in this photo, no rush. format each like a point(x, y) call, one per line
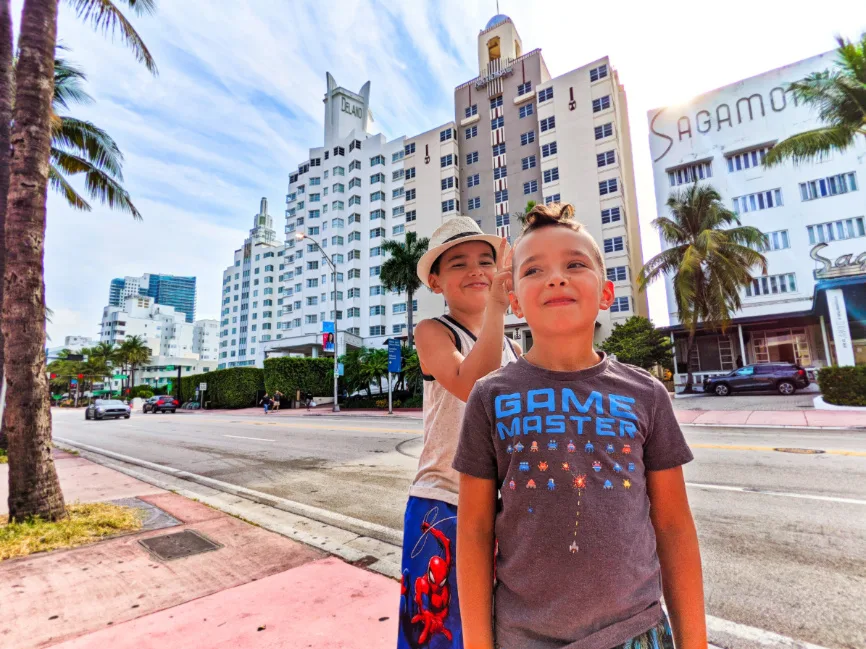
point(839, 325)
point(201, 388)
point(395, 364)
point(329, 342)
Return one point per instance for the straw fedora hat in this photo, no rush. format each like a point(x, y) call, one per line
point(453, 232)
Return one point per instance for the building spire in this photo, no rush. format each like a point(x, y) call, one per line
point(263, 206)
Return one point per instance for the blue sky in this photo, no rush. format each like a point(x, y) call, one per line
point(238, 102)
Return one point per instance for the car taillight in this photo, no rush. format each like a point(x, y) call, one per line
point(801, 372)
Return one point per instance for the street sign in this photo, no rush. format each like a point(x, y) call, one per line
point(327, 326)
point(168, 386)
point(74, 382)
point(395, 360)
point(341, 370)
point(169, 368)
point(120, 377)
point(327, 342)
point(202, 386)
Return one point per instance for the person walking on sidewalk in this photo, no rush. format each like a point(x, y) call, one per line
point(469, 269)
point(266, 402)
point(277, 397)
point(593, 523)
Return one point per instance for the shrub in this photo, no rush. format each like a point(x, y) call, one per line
point(843, 386)
point(236, 387)
point(290, 374)
point(416, 401)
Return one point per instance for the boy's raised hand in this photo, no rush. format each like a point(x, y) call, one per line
point(502, 282)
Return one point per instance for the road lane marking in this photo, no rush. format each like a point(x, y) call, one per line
point(750, 490)
point(716, 626)
point(258, 439)
point(738, 447)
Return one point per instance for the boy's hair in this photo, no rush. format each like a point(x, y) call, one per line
point(435, 268)
point(559, 215)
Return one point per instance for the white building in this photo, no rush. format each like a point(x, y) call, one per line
point(206, 338)
point(72, 343)
point(810, 308)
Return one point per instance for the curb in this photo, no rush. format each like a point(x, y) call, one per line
point(354, 525)
point(778, 426)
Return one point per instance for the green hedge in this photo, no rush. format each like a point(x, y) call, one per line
point(843, 386)
point(236, 387)
point(290, 374)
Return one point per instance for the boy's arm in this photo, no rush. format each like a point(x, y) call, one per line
point(475, 516)
point(679, 555)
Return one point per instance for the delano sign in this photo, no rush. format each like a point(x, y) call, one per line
point(352, 109)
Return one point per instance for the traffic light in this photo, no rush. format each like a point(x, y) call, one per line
point(53, 375)
point(80, 376)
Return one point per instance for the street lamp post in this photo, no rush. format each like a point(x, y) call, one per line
point(301, 236)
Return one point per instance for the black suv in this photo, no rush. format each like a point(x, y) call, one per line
point(784, 378)
point(160, 404)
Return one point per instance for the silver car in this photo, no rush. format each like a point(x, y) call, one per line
point(107, 408)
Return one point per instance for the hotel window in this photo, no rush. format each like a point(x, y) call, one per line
point(377, 160)
point(311, 319)
point(354, 144)
point(502, 220)
point(526, 111)
point(548, 149)
point(337, 205)
point(530, 187)
point(611, 215)
point(448, 206)
point(400, 307)
point(397, 193)
point(527, 138)
point(312, 265)
point(354, 218)
point(544, 95)
point(524, 88)
point(375, 215)
point(473, 180)
point(400, 210)
point(496, 102)
point(445, 135)
point(353, 200)
point(616, 274)
point(759, 201)
point(313, 214)
point(354, 292)
point(620, 305)
point(598, 73)
point(475, 203)
point(338, 224)
point(338, 188)
point(832, 186)
point(377, 290)
point(376, 251)
point(409, 149)
point(410, 173)
point(606, 158)
point(397, 175)
point(354, 273)
point(614, 244)
point(471, 132)
point(472, 157)
point(315, 198)
point(339, 171)
point(411, 215)
point(397, 156)
point(316, 162)
point(472, 110)
point(548, 124)
point(398, 229)
point(312, 301)
point(499, 173)
point(600, 104)
point(501, 196)
point(377, 330)
point(776, 241)
point(375, 271)
point(353, 312)
point(447, 183)
point(377, 196)
point(528, 162)
point(551, 174)
point(446, 160)
point(355, 164)
point(497, 122)
point(836, 230)
point(772, 285)
point(377, 232)
point(378, 309)
point(377, 178)
point(690, 173)
point(499, 149)
point(608, 186)
point(338, 258)
point(410, 194)
point(747, 159)
point(398, 328)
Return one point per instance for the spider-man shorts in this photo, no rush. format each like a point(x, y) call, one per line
point(429, 572)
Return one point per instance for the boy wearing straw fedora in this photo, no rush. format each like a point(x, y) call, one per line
point(470, 270)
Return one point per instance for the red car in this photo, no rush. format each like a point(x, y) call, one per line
point(162, 403)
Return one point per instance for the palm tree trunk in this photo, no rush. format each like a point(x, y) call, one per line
point(6, 86)
point(34, 489)
point(689, 378)
point(410, 335)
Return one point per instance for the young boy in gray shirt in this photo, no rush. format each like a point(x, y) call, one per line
point(594, 524)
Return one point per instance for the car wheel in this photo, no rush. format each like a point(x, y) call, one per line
point(86, 415)
point(722, 390)
point(786, 387)
point(173, 411)
point(126, 416)
point(99, 417)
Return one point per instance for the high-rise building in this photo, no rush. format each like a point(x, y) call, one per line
point(169, 290)
point(808, 307)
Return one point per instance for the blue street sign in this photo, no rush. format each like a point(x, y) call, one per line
point(74, 381)
point(327, 326)
point(395, 360)
point(341, 370)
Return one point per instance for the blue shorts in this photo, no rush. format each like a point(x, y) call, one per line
point(429, 606)
point(658, 637)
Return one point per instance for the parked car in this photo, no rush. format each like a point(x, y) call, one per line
point(162, 403)
point(784, 378)
point(105, 408)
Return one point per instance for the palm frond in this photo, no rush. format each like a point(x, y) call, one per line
point(99, 185)
point(89, 141)
point(104, 15)
point(810, 145)
point(60, 184)
point(67, 84)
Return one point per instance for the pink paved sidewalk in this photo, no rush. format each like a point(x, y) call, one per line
point(800, 418)
point(319, 411)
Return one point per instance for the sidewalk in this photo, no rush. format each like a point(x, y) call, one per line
point(257, 589)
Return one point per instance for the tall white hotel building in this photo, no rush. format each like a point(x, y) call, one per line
point(518, 135)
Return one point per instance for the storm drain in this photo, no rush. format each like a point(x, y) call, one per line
point(179, 545)
point(801, 451)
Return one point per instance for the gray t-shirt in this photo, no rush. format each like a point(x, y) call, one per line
point(577, 566)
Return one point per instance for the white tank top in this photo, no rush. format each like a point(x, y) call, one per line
point(443, 414)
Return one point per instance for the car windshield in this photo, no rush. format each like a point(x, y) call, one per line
point(110, 402)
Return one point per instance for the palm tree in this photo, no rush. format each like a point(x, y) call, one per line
point(840, 97)
point(6, 100)
point(399, 272)
point(711, 257)
point(134, 352)
point(521, 216)
point(374, 366)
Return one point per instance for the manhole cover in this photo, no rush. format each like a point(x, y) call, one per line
point(180, 545)
point(801, 451)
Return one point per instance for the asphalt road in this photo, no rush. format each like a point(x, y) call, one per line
point(783, 534)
